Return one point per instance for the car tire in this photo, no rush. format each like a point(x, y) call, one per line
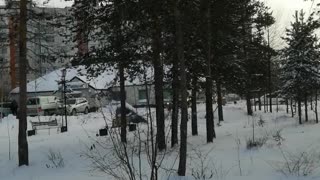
point(86, 110)
point(74, 112)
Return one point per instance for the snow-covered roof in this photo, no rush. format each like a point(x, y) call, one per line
point(105, 80)
point(49, 82)
point(48, 3)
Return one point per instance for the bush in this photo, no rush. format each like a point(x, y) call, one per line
point(261, 122)
point(297, 164)
point(205, 168)
point(55, 159)
point(276, 135)
point(256, 143)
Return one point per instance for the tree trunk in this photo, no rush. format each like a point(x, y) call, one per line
point(209, 93)
point(254, 103)
point(316, 107)
point(23, 152)
point(264, 103)
point(158, 80)
point(269, 75)
point(311, 101)
point(306, 107)
point(220, 107)
point(123, 133)
point(277, 104)
point(287, 105)
point(175, 104)
point(194, 122)
point(299, 109)
point(12, 49)
point(291, 105)
point(259, 101)
point(184, 94)
point(249, 106)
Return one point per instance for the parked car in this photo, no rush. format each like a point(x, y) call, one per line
point(266, 100)
point(77, 105)
point(5, 109)
point(42, 105)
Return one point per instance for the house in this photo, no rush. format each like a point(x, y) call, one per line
point(105, 86)
point(77, 82)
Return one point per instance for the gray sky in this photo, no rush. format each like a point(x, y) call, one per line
point(283, 11)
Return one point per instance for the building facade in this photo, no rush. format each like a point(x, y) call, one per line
point(48, 48)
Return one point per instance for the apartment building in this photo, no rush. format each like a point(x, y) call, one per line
point(48, 48)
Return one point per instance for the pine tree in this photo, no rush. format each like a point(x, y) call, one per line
point(184, 104)
point(207, 44)
point(23, 152)
point(300, 65)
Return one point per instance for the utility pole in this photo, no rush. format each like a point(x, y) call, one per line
point(23, 152)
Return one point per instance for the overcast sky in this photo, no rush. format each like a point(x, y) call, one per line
point(283, 11)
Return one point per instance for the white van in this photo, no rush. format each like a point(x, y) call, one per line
point(42, 105)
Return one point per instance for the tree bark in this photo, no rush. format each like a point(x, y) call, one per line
point(175, 104)
point(254, 103)
point(269, 75)
point(259, 101)
point(194, 123)
point(291, 105)
point(316, 107)
point(158, 80)
point(277, 104)
point(264, 103)
point(299, 109)
point(249, 106)
point(23, 152)
point(220, 107)
point(311, 103)
point(184, 94)
point(209, 93)
point(306, 107)
point(123, 133)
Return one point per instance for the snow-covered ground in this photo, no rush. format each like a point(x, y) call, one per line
point(222, 154)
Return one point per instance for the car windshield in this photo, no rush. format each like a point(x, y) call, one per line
point(71, 101)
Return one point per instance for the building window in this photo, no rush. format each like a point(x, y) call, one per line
point(142, 94)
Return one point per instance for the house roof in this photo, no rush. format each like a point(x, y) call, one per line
point(107, 79)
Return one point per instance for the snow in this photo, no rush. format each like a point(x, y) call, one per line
point(105, 80)
point(255, 164)
point(48, 82)
point(49, 3)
